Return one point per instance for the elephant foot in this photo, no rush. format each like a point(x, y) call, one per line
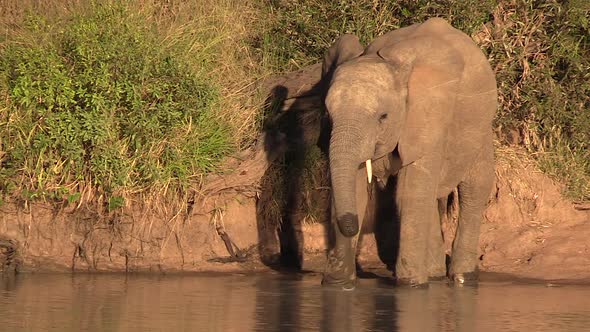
point(437, 274)
point(406, 275)
point(437, 278)
point(339, 283)
point(465, 279)
point(270, 259)
point(412, 283)
point(437, 266)
point(340, 269)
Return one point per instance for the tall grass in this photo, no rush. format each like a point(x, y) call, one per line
point(108, 99)
point(540, 51)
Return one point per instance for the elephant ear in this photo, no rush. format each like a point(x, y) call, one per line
point(345, 48)
point(432, 71)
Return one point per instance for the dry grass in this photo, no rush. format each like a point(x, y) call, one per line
point(229, 26)
point(540, 54)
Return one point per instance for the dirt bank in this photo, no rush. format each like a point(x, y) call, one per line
point(529, 230)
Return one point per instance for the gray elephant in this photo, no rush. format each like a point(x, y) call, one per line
point(417, 103)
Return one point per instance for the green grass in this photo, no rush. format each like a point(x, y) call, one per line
point(98, 98)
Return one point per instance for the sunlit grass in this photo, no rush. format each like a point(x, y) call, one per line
point(104, 100)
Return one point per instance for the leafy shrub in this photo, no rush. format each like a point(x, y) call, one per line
point(96, 98)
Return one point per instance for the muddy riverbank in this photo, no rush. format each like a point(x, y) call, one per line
point(529, 231)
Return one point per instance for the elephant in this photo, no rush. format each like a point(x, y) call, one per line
point(417, 103)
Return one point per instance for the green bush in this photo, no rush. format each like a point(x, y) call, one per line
point(97, 98)
point(540, 51)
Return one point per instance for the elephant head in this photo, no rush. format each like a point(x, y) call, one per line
point(380, 100)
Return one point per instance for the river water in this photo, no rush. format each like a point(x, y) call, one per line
point(263, 302)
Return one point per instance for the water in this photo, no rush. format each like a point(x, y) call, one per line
point(281, 303)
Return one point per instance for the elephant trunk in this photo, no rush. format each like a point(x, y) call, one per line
point(347, 145)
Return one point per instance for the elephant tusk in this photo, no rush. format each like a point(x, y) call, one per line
point(369, 170)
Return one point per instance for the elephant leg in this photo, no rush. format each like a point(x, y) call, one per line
point(436, 252)
point(474, 192)
point(418, 211)
point(341, 265)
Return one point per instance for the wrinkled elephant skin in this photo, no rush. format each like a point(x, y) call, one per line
point(419, 102)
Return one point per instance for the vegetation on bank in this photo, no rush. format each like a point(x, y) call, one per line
point(104, 100)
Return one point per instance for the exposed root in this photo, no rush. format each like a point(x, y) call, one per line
point(235, 253)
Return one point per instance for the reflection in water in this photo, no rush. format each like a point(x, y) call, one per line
point(280, 303)
point(385, 312)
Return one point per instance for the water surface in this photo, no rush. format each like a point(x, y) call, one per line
point(221, 302)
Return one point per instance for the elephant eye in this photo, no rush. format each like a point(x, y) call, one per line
point(382, 117)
